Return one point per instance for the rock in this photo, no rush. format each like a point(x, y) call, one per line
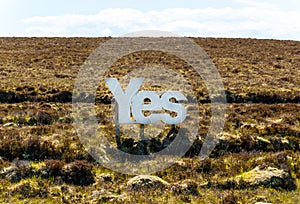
point(187, 187)
point(144, 182)
point(262, 176)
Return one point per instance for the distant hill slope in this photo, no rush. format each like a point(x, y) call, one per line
point(44, 69)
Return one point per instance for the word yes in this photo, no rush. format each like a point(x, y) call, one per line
point(132, 102)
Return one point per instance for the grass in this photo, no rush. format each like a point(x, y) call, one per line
point(262, 122)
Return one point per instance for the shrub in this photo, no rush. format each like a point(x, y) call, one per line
point(44, 118)
point(78, 173)
point(11, 148)
point(54, 168)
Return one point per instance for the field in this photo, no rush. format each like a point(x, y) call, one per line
point(256, 160)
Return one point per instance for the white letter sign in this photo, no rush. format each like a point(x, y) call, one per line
point(133, 100)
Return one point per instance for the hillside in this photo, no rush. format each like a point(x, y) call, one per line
point(42, 159)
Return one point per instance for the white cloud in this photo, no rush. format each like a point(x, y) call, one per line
point(254, 3)
point(253, 19)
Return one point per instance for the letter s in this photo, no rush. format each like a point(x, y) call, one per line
point(173, 107)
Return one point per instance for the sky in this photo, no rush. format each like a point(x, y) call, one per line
point(271, 19)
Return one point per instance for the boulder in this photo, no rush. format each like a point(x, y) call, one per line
point(262, 176)
point(145, 182)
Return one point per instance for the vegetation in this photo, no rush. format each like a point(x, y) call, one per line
point(43, 161)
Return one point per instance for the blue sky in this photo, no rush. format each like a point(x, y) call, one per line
point(215, 18)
